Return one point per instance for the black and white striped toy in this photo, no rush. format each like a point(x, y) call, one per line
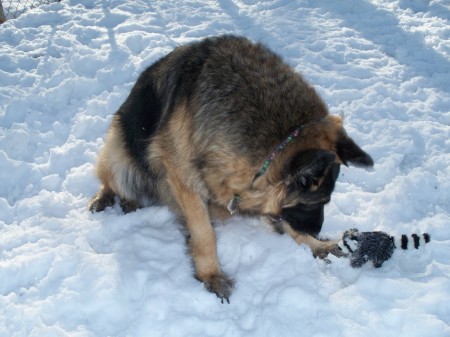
point(376, 246)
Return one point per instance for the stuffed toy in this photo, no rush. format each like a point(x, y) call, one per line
point(376, 246)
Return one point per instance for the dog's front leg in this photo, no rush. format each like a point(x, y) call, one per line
point(201, 239)
point(319, 248)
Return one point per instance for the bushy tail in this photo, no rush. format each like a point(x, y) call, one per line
point(411, 241)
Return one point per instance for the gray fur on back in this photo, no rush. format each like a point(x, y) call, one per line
point(371, 246)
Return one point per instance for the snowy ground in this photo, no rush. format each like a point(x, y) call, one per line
point(64, 70)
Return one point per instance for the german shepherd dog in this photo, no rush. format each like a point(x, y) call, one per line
point(224, 126)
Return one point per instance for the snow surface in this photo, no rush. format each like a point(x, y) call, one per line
point(64, 70)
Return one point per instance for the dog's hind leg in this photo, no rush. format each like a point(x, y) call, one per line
point(318, 247)
point(118, 174)
point(105, 196)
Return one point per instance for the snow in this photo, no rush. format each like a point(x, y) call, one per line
point(64, 70)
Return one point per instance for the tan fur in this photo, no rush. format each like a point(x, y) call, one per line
point(173, 149)
point(202, 238)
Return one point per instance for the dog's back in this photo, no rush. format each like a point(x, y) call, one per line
point(209, 103)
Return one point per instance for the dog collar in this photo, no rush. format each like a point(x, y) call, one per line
point(233, 204)
point(294, 134)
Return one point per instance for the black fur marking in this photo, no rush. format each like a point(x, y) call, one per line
point(416, 241)
point(304, 219)
point(426, 237)
point(348, 246)
point(139, 116)
point(146, 107)
point(404, 242)
point(305, 170)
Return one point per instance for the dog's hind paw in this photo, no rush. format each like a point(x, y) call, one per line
point(128, 206)
point(101, 201)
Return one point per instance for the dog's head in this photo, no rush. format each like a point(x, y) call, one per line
point(309, 179)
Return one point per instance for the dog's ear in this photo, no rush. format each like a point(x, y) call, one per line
point(349, 152)
point(308, 167)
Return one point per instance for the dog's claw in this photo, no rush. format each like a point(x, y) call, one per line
point(224, 298)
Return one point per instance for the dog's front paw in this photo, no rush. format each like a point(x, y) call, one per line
point(337, 251)
point(328, 247)
point(220, 284)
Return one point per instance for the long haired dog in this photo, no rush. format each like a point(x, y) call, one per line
point(224, 126)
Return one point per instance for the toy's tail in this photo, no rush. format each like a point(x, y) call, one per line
point(411, 241)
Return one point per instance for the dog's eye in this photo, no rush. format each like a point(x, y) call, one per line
point(308, 181)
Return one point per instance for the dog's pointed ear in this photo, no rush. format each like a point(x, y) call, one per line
point(311, 167)
point(349, 152)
